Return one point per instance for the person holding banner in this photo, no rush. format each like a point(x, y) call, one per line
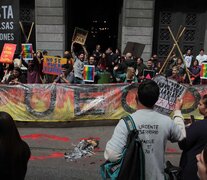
point(194, 143)
point(66, 76)
point(8, 72)
point(17, 77)
point(33, 70)
point(194, 72)
point(154, 131)
point(128, 77)
point(175, 75)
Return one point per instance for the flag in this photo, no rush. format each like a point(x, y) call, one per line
point(203, 73)
point(89, 73)
point(27, 51)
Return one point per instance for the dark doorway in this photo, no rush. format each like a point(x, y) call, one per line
point(189, 14)
point(99, 18)
point(27, 17)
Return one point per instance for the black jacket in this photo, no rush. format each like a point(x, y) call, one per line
point(193, 144)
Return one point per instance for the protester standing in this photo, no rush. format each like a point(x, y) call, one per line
point(154, 131)
point(78, 68)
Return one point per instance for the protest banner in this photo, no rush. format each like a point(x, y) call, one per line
point(88, 73)
point(62, 102)
point(8, 53)
point(80, 36)
point(170, 90)
point(203, 73)
point(52, 65)
point(27, 52)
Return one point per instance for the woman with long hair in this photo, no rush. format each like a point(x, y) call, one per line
point(14, 152)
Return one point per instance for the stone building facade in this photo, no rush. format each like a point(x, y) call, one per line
point(139, 21)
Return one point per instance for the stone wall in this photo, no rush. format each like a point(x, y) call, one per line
point(137, 26)
point(50, 26)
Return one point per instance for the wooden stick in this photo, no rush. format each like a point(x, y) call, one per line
point(178, 36)
point(22, 28)
point(180, 54)
point(30, 31)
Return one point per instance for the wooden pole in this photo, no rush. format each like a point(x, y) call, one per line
point(179, 34)
point(30, 31)
point(181, 55)
point(22, 28)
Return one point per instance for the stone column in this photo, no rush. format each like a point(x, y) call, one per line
point(138, 18)
point(50, 26)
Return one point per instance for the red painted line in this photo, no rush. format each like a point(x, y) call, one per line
point(41, 136)
point(171, 150)
point(50, 156)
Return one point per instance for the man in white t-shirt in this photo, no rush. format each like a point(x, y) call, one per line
point(201, 57)
point(154, 131)
point(188, 58)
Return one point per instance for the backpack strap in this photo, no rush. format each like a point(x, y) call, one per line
point(129, 123)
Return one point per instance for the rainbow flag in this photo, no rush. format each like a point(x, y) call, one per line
point(203, 73)
point(89, 73)
point(27, 51)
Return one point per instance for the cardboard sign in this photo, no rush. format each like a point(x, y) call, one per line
point(135, 48)
point(8, 53)
point(27, 52)
point(52, 65)
point(203, 74)
point(89, 73)
point(170, 90)
point(80, 36)
point(148, 74)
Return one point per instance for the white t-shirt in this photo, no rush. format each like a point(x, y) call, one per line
point(201, 58)
point(188, 59)
point(154, 131)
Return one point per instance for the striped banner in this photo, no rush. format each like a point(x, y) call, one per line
point(89, 73)
point(203, 74)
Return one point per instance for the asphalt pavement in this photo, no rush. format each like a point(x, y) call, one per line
point(48, 146)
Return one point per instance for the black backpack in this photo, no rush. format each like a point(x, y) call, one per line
point(131, 166)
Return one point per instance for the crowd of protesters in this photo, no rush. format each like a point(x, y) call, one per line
point(120, 69)
point(110, 67)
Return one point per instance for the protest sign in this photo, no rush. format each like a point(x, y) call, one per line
point(203, 74)
point(170, 90)
point(27, 52)
point(135, 48)
point(8, 53)
point(52, 65)
point(148, 74)
point(88, 73)
point(80, 36)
